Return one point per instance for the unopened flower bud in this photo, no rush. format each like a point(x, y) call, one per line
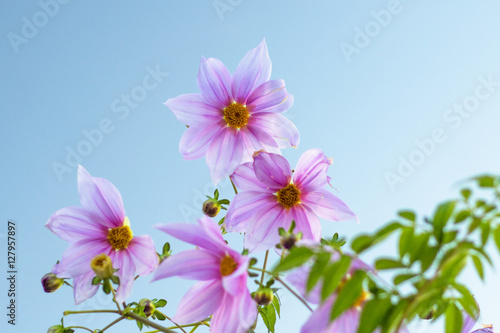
point(211, 208)
point(263, 296)
point(149, 307)
point(56, 329)
point(102, 266)
point(51, 282)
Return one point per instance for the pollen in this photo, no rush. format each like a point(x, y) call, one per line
point(289, 196)
point(119, 237)
point(236, 115)
point(227, 265)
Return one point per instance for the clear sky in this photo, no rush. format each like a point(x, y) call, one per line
point(404, 95)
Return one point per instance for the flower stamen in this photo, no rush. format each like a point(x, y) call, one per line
point(236, 115)
point(119, 237)
point(289, 196)
point(227, 265)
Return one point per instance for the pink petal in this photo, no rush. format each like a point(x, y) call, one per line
point(83, 288)
point(196, 235)
point(142, 251)
point(298, 279)
point(76, 258)
point(327, 205)
point(255, 139)
point(281, 129)
point(196, 140)
point(269, 97)
point(273, 170)
point(348, 322)
point(310, 173)
point(101, 197)
point(191, 109)
point(253, 70)
point(319, 319)
point(236, 282)
point(263, 234)
point(201, 300)
point(245, 180)
point(307, 222)
point(75, 223)
point(224, 154)
point(214, 82)
point(235, 315)
point(190, 264)
point(245, 207)
point(126, 272)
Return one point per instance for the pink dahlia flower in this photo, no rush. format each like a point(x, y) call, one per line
point(270, 198)
point(100, 227)
point(222, 272)
point(234, 115)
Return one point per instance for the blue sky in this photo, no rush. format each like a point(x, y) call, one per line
point(374, 82)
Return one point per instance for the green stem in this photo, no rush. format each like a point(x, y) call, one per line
point(194, 328)
point(113, 323)
point(114, 296)
point(234, 186)
point(82, 328)
point(264, 268)
point(148, 322)
point(65, 313)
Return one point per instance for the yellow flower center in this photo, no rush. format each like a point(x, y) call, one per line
point(289, 196)
point(236, 115)
point(361, 299)
point(119, 237)
point(227, 265)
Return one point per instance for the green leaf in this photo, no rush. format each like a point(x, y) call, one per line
point(362, 243)
point(96, 281)
point(427, 257)
point(224, 202)
point(386, 263)
point(160, 303)
point(467, 300)
point(441, 217)
point(374, 313)
point(395, 316)
point(106, 287)
point(264, 315)
point(496, 236)
point(271, 317)
point(159, 315)
point(334, 274)
point(402, 278)
point(453, 319)
point(216, 194)
point(405, 241)
point(166, 248)
point(486, 181)
point(349, 294)
point(140, 325)
point(466, 193)
point(297, 257)
point(276, 304)
point(462, 216)
point(485, 232)
point(479, 266)
point(449, 236)
point(317, 270)
point(386, 231)
point(418, 246)
point(115, 279)
point(407, 215)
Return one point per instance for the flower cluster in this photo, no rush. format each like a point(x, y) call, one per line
point(236, 122)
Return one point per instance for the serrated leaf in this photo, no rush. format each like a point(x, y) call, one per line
point(334, 274)
point(297, 257)
point(349, 294)
point(453, 322)
point(386, 263)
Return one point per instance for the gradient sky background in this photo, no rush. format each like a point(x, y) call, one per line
point(366, 113)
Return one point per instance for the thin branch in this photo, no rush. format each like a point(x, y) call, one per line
point(112, 323)
point(264, 268)
point(82, 328)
